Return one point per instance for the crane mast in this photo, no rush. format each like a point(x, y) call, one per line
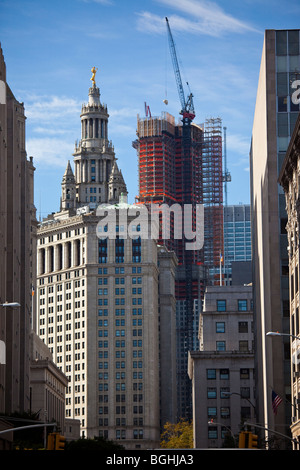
point(188, 196)
point(187, 106)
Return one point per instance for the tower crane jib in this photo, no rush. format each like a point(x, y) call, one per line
point(187, 106)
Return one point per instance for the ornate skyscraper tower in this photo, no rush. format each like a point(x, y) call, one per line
point(98, 300)
point(97, 176)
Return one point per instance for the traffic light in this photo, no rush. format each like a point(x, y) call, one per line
point(247, 440)
point(60, 442)
point(243, 436)
point(253, 441)
point(56, 441)
point(51, 441)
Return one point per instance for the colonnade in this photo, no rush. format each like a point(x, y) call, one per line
point(60, 256)
point(94, 128)
point(89, 170)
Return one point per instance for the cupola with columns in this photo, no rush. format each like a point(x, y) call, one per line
point(96, 174)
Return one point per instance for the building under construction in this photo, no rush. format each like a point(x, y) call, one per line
point(175, 168)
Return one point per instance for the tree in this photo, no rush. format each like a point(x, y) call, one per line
point(177, 436)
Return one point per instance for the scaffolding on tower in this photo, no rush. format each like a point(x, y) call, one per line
point(212, 194)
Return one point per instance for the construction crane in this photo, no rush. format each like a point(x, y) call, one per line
point(187, 183)
point(187, 105)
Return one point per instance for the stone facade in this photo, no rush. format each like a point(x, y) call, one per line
point(17, 250)
point(222, 371)
point(274, 119)
point(289, 179)
point(98, 298)
point(48, 385)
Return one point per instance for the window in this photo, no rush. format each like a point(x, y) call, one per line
point(224, 392)
point(211, 392)
point(119, 247)
point(221, 346)
point(224, 374)
point(293, 42)
point(244, 374)
point(136, 250)
point(243, 327)
point(212, 432)
point(242, 305)
point(220, 327)
point(281, 42)
point(245, 392)
point(103, 251)
point(211, 374)
point(211, 412)
point(243, 346)
point(225, 412)
point(221, 305)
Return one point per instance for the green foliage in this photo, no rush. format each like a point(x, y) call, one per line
point(177, 436)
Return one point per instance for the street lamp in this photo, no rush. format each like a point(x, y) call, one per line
point(10, 304)
point(212, 422)
point(277, 333)
point(2, 344)
point(227, 394)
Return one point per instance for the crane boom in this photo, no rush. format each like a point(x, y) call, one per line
point(187, 106)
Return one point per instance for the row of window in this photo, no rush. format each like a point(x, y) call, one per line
point(212, 392)
point(120, 250)
point(121, 375)
point(243, 346)
point(121, 365)
point(224, 412)
point(61, 277)
point(120, 301)
point(120, 387)
point(118, 291)
point(121, 398)
point(103, 281)
point(211, 374)
point(119, 312)
point(242, 327)
point(121, 410)
point(59, 236)
point(121, 270)
point(242, 305)
point(121, 322)
point(121, 433)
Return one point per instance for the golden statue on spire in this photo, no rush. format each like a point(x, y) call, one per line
point(94, 70)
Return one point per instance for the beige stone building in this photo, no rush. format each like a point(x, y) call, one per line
point(17, 250)
point(47, 384)
point(289, 179)
point(98, 306)
point(222, 371)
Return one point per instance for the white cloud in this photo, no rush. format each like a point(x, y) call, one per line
point(238, 148)
point(101, 2)
point(206, 18)
point(50, 151)
point(47, 109)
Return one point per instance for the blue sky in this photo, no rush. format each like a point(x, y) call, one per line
point(51, 46)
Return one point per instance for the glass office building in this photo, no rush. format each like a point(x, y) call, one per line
point(237, 236)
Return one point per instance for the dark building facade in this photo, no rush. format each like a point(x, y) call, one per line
point(17, 250)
